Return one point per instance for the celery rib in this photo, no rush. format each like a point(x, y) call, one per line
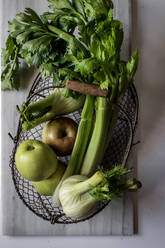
point(95, 149)
point(111, 126)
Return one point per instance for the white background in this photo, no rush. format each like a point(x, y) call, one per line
point(149, 37)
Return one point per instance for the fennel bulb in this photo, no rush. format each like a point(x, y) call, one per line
point(80, 195)
point(75, 198)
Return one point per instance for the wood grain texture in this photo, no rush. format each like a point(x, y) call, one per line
point(86, 88)
point(117, 217)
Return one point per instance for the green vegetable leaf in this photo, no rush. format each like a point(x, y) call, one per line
point(10, 45)
point(50, 70)
point(33, 37)
point(34, 16)
point(132, 65)
point(87, 67)
point(9, 76)
point(69, 74)
point(74, 45)
point(60, 4)
point(114, 184)
point(79, 6)
point(69, 10)
point(97, 9)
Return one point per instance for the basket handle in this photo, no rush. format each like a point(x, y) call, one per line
point(85, 88)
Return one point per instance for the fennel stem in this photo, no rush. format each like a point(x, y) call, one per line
point(55, 104)
point(88, 184)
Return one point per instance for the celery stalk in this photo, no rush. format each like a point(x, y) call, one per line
point(83, 136)
point(95, 149)
point(111, 126)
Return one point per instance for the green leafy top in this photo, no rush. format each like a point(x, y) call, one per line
point(95, 53)
point(31, 40)
point(10, 76)
point(114, 184)
point(70, 11)
point(48, 40)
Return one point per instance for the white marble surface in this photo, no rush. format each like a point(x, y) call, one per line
point(116, 219)
point(149, 36)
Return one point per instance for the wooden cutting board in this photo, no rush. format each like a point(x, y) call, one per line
point(117, 218)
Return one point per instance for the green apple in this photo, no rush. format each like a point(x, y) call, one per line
point(35, 160)
point(48, 186)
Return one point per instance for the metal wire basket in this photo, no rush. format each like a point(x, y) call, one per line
point(117, 152)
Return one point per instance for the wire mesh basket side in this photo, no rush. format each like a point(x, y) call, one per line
point(121, 142)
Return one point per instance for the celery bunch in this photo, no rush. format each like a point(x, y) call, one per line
point(95, 56)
